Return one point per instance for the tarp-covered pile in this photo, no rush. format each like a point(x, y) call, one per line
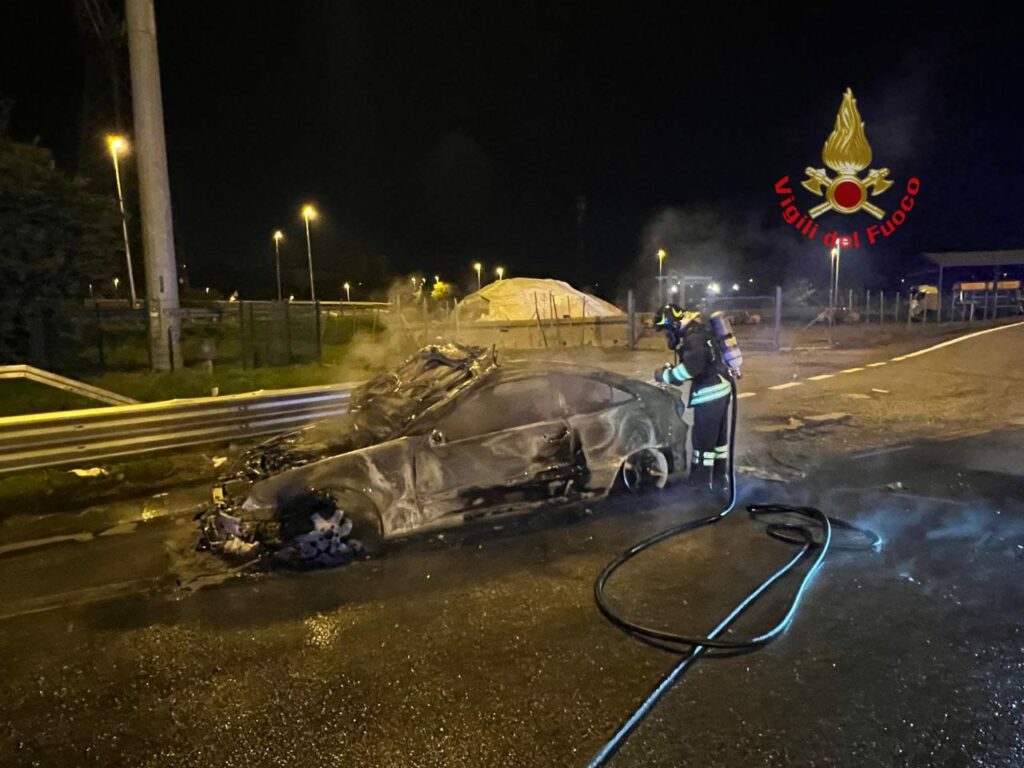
point(526, 298)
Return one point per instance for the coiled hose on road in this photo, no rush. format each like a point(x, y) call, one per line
point(812, 532)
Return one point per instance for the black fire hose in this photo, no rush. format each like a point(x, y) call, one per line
point(812, 531)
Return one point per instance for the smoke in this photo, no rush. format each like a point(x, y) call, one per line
point(727, 245)
point(898, 116)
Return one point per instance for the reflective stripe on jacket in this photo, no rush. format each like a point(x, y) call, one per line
point(711, 392)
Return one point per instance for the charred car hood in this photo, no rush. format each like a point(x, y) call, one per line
point(380, 410)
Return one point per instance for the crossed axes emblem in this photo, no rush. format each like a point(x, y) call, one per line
point(850, 200)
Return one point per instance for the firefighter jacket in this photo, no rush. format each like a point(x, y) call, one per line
point(700, 363)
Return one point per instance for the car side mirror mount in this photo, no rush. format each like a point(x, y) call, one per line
point(437, 438)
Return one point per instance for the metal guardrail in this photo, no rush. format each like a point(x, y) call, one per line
point(50, 379)
point(96, 434)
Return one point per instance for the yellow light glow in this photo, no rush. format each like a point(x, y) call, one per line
point(278, 235)
point(309, 212)
point(661, 254)
point(500, 272)
point(117, 144)
point(346, 286)
point(478, 266)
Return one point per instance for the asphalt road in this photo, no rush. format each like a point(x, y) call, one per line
point(483, 647)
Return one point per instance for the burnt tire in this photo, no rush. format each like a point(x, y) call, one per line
point(646, 470)
point(324, 529)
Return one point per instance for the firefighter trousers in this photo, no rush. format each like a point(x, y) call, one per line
point(710, 442)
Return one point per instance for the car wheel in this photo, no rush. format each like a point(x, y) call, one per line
point(645, 470)
point(324, 529)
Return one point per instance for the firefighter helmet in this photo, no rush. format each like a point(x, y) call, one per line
point(674, 320)
point(672, 315)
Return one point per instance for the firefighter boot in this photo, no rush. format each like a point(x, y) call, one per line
point(700, 476)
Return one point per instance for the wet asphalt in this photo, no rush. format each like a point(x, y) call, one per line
point(482, 647)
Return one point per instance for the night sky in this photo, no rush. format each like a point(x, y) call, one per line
point(431, 135)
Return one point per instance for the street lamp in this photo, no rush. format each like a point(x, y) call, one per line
point(278, 237)
point(117, 145)
point(661, 280)
point(478, 266)
point(117, 285)
point(348, 294)
point(500, 271)
point(833, 277)
point(308, 214)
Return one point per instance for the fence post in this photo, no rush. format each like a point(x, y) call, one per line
point(777, 334)
point(241, 334)
point(99, 337)
point(630, 320)
point(319, 341)
point(881, 307)
point(867, 305)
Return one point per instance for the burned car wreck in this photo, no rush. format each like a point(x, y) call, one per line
point(447, 437)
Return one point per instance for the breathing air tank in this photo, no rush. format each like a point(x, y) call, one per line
point(730, 350)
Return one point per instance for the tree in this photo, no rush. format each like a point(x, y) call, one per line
point(441, 292)
point(55, 237)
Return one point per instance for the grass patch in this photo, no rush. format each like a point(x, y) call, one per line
point(19, 396)
point(229, 380)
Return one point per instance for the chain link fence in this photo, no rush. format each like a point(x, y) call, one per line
point(96, 337)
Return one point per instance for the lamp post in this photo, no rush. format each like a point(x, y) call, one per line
point(117, 145)
point(500, 271)
point(661, 278)
point(278, 237)
point(478, 266)
point(833, 288)
point(117, 285)
point(309, 213)
point(348, 294)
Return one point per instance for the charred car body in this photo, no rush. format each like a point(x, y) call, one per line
point(447, 437)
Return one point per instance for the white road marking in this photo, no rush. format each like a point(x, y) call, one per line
point(851, 370)
point(957, 340)
point(787, 385)
point(33, 543)
point(821, 377)
point(876, 365)
point(882, 451)
point(741, 395)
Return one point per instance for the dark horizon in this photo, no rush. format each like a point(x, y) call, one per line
point(429, 140)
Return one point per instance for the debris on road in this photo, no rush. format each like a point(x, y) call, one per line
point(91, 472)
point(791, 424)
point(821, 419)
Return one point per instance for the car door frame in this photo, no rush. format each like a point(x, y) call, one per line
point(490, 498)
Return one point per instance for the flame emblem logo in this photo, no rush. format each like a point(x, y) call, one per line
point(847, 152)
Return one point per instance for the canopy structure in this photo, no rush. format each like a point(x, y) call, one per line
point(977, 258)
point(526, 298)
point(995, 259)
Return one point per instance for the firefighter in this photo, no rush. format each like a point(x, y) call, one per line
point(699, 361)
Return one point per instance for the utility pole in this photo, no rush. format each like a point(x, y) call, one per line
point(154, 189)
